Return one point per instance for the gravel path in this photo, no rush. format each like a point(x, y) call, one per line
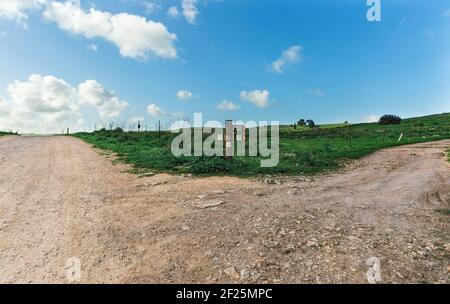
point(60, 199)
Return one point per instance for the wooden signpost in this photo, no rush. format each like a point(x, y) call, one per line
point(229, 139)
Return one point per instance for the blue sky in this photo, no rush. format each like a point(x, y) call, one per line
point(336, 66)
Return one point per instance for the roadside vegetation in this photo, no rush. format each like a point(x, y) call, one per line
point(306, 149)
point(6, 133)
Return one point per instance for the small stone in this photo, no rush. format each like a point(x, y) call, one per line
point(259, 193)
point(219, 192)
point(232, 273)
point(207, 204)
point(447, 247)
point(245, 273)
point(312, 243)
point(203, 196)
point(148, 174)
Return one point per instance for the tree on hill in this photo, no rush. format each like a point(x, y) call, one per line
point(390, 119)
point(301, 122)
point(310, 123)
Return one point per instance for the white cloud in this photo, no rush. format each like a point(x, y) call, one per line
point(49, 104)
point(185, 95)
point(316, 92)
point(227, 105)
point(157, 112)
point(41, 103)
point(92, 47)
point(173, 12)
point(18, 10)
point(190, 11)
point(447, 13)
point(371, 118)
point(42, 94)
point(106, 102)
point(257, 97)
point(288, 57)
point(135, 36)
point(151, 7)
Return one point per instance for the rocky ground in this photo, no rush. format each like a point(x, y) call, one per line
point(60, 199)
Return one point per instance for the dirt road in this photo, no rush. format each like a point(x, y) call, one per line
point(61, 199)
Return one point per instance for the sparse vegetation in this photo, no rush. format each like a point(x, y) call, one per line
point(6, 133)
point(302, 151)
point(443, 211)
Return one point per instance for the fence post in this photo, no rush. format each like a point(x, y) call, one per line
point(159, 131)
point(349, 135)
point(229, 139)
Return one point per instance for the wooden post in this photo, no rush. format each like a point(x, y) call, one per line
point(159, 131)
point(67, 131)
point(349, 135)
point(229, 139)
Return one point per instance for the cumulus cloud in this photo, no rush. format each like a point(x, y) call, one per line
point(173, 12)
point(371, 118)
point(257, 97)
point(316, 92)
point(184, 95)
point(288, 58)
point(157, 112)
point(40, 103)
point(18, 10)
point(135, 36)
point(48, 104)
point(151, 6)
point(190, 11)
point(227, 105)
point(106, 102)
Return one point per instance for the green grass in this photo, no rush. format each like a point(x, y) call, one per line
point(5, 133)
point(302, 150)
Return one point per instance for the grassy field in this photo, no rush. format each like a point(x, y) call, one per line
point(302, 150)
point(4, 133)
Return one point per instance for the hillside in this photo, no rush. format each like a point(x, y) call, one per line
point(302, 151)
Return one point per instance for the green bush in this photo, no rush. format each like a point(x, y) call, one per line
point(390, 120)
point(209, 165)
